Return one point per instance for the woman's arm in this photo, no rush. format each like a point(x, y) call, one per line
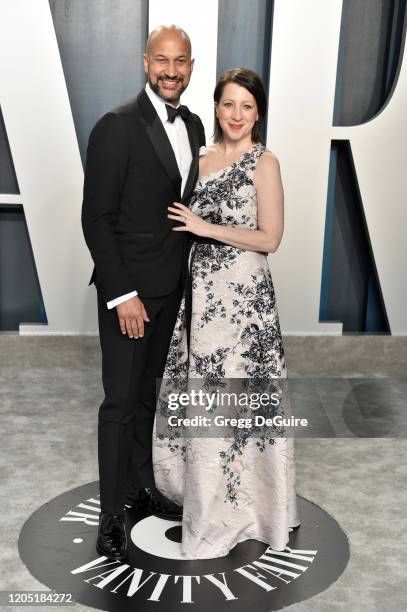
point(270, 203)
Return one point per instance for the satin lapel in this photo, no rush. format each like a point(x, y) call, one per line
point(159, 140)
point(194, 168)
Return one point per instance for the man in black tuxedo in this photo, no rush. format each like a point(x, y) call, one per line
point(142, 156)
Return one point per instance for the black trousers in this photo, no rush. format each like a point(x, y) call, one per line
point(130, 369)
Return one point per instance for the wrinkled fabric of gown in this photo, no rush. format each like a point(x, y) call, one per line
point(230, 491)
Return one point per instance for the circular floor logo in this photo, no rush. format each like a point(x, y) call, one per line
point(57, 544)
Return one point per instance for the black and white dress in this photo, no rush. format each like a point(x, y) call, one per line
point(232, 489)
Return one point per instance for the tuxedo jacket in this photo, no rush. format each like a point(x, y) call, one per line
point(131, 177)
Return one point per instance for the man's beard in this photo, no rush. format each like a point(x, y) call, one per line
point(156, 89)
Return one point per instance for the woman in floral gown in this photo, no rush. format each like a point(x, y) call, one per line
point(240, 487)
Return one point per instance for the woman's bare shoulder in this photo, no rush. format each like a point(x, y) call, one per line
point(267, 165)
point(269, 159)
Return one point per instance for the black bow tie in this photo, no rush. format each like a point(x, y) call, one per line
point(182, 111)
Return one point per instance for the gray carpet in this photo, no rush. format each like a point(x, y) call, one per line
point(50, 389)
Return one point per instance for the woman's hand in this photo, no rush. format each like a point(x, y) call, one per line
point(192, 223)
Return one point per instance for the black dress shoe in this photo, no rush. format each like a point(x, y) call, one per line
point(111, 541)
point(151, 500)
point(137, 499)
point(161, 506)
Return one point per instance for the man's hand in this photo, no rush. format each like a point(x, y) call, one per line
point(132, 316)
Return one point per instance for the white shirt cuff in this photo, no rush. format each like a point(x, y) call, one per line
point(121, 299)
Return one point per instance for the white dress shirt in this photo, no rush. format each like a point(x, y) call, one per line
point(178, 137)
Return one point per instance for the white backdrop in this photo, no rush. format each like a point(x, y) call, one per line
point(43, 143)
point(41, 133)
point(303, 74)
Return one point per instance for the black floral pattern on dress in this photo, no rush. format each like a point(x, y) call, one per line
point(210, 367)
point(208, 258)
point(214, 308)
point(235, 310)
